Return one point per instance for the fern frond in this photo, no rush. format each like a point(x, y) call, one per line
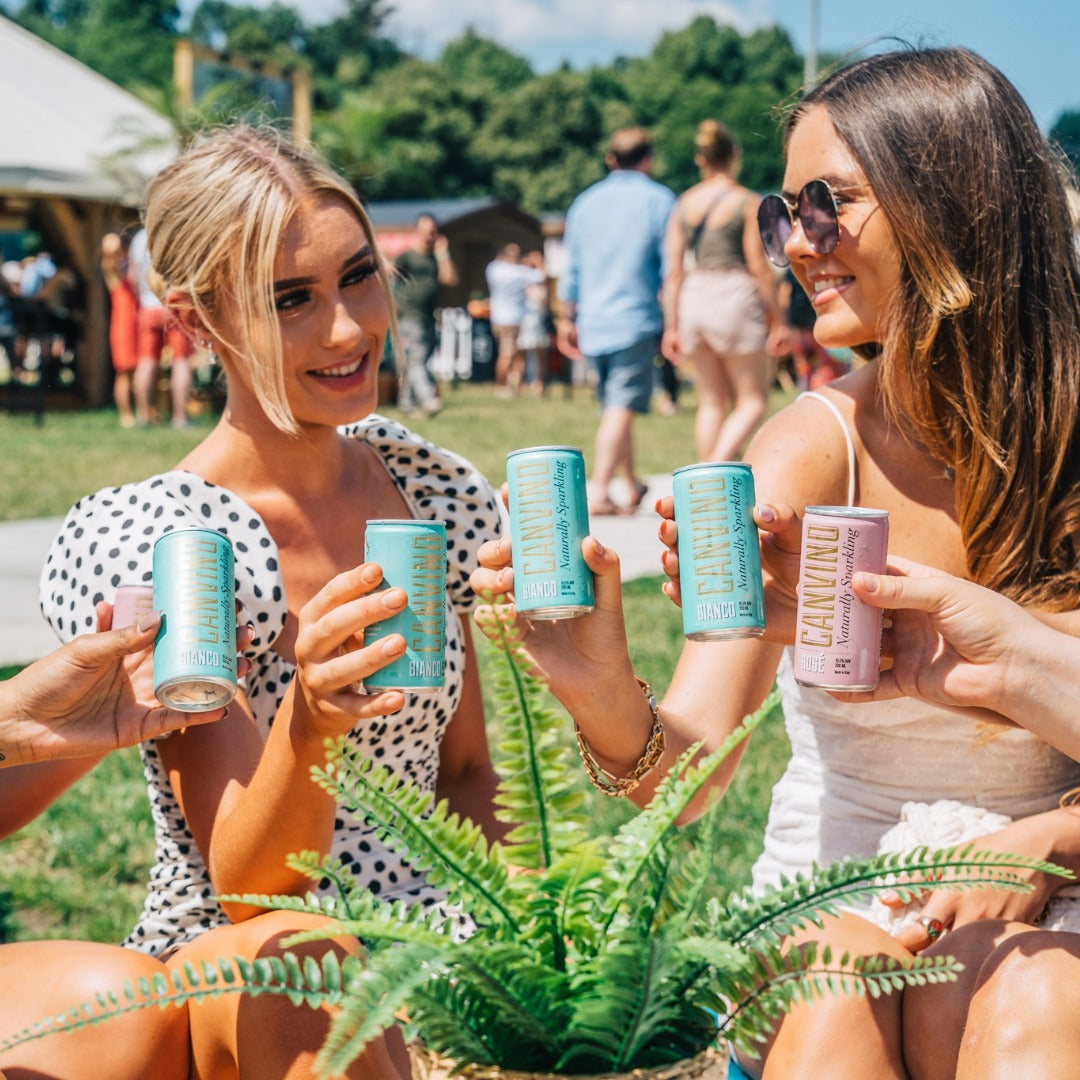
point(453, 851)
point(310, 982)
point(644, 841)
point(445, 1014)
point(801, 980)
point(528, 1001)
point(804, 899)
point(559, 907)
point(310, 904)
point(318, 868)
point(376, 993)
point(538, 792)
point(628, 1008)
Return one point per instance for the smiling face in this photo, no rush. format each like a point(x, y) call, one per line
point(851, 286)
point(332, 313)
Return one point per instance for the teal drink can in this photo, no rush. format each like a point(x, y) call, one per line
point(195, 648)
point(719, 557)
point(549, 518)
point(412, 555)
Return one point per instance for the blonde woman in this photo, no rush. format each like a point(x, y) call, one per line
point(720, 298)
point(265, 256)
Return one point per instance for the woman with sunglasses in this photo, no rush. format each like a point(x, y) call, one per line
point(931, 230)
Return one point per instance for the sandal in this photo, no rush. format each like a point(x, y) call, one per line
point(640, 492)
point(607, 508)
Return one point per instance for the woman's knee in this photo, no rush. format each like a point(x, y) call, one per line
point(45, 978)
point(935, 1014)
point(236, 1035)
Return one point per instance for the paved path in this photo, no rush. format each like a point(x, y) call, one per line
point(24, 634)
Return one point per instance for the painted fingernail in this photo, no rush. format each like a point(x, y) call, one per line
point(150, 619)
point(765, 512)
point(866, 582)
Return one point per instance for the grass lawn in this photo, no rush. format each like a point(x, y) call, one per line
point(80, 869)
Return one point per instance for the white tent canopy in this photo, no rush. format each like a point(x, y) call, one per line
point(69, 132)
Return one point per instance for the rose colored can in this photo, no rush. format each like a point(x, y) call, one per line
point(130, 604)
point(719, 557)
point(837, 636)
point(412, 555)
point(549, 519)
point(195, 649)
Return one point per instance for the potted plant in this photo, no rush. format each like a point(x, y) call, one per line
point(587, 956)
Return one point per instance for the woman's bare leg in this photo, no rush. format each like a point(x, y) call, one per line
point(714, 393)
point(1024, 1018)
point(39, 979)
point(236, 1037)
point(843, 1037)
point(750, 378)
point(934, 1016)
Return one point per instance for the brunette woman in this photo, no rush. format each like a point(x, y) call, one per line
point(926, 217)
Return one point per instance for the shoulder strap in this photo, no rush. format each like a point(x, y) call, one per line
point(847, 439)
point(699, 228)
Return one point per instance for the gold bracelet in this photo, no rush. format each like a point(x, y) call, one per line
point(614, 786)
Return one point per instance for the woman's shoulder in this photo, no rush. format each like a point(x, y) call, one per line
point(418, 464)
point(806, 453)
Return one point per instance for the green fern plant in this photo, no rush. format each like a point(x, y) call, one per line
point(584, 956)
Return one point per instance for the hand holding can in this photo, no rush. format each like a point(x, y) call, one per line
point(837, 635)
point(549, 519)
point(412, 556)
point(195, 650)
point(719, 558)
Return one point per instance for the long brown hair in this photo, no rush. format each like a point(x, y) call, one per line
point(980, 357)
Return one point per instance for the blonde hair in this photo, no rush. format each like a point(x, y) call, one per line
point(215, 217)
point(716, 144)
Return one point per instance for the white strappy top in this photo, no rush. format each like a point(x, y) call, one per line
point(855, 770)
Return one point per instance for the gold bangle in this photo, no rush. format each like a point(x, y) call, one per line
point(615, 786)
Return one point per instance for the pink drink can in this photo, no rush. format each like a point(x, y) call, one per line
point(837, 636)
point(130, 604)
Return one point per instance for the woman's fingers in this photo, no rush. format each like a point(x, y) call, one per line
point(607, 579)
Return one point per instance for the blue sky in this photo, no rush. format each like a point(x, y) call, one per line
point(1035, 42)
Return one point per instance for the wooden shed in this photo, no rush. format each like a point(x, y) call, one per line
point(475, 228)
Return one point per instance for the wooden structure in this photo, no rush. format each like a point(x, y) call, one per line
point(475, 228)
point(76, 153)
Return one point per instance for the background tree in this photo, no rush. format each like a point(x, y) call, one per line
point(476, 121)
point(1066, 133)
point(127, 43)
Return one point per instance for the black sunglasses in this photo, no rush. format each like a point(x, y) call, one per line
point(816, 208)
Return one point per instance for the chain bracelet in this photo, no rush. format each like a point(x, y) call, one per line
point(615, 786)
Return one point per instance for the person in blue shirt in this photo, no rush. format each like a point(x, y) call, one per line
point(610, 301)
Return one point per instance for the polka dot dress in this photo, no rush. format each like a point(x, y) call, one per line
point(107, 540)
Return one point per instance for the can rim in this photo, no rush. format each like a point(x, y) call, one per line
point(183, 530)
point(535, 449)
point(847, 511)
point(422, 523)
point(712, 465)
